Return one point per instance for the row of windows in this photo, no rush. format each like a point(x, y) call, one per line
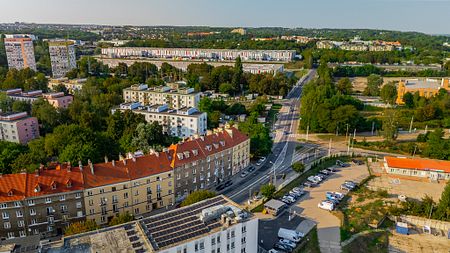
point(31, 202)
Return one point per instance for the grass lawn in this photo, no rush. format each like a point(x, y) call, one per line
point(370, 243)
point(333, 137)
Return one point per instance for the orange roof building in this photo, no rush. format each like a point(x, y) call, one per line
point(434, 170)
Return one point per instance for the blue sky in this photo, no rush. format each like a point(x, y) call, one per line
point(429, 16)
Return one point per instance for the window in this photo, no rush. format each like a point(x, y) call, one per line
point(51, 219)
point(62, 197)
point(19, 213)
point(91, 211)
point(49, 228)
point(5, 215)
point(114, 199)
point(36, 231)
point(91, 202)
point(113, 188)
point(63, 208)
point(136, 210)
point(243, 240)
point(218, 239)
point(7, 225)
point(136, 193)
point(3, 205)
point(243, 250)
point(232, 245)
point(102, 190)
point(103, 219)
point(20, 223)
point(213, 241)
point(196, 246)
point(17, 204)
point(89, 193)
point(125, 195)
point(33, 221)
point(10, 235)
point(48, 200)
point(32, 211)
point(30, 202)
point(78, 195)
point(79, 214)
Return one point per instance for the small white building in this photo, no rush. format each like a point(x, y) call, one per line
point(183, 122)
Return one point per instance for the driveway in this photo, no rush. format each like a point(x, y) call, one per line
point(328, 224)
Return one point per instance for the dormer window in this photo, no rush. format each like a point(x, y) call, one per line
point(37, 188)
point(69, 183)
point(10, 192)
point(216, 146)
point(195, 152)
point(186, 154)
point(180, 156)
point(222, 143)
point(53, 185)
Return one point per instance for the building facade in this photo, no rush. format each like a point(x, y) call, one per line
point(182, 123)
point(18, 127)
point(136, 185)
point(56, 99)
point(174, 98)
point(43, 203)
point(20, 52)
point(426, 88)
point(62, 57)
point(204, 162)
point(198, 53)
point(428, 169)
point(72, 85)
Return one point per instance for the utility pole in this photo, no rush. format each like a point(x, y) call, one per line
point(414, 153)
point(354, 138)
point(410, 125)
point(307, 132)
point(373, 126)
point(346, 134)
point(348, 146)
point(426, 129)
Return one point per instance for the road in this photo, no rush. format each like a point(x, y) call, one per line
point(280, 160)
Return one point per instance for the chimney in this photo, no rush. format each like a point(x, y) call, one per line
point(113, 163)
point(69, 167)
point(80, 165)
point(36, 172)
point(124, 161)
point(121, 157)
point(91, 165)
point(133, 158)
point(41, 166)
point(106, 159)
point(157, 154)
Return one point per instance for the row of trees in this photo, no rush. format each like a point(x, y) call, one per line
point(367, 70)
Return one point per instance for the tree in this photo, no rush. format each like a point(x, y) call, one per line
point(443, 209)
point(121, 218)
point(298, 167)
point(268, 190)
point(408, 99)
point(80, 227)
point(390, 125)
point(148, 136)
point(226, 88)
point(21, 106)
point(237, 76)
point(373, 85)
point(344, 86)
point(197, 196)
point(389, 93)
point(260, 140)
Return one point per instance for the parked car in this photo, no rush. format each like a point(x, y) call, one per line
point(286, 201)
point(320, 178)
point(326, 205)
point(228, 183)
point(295, 193)
point(244, 174)
point(331, 196)
point(339, 195)
point(273, 251)
point(282, 247)
point(251, 169)
point(290, 235)
point(297, 189)
point(345, 187)
point(350, 183)
point(313, 179)
point(291, 198)
point(309, 184)
point(325, 172)
point(357, 162)
point(262, 159)
point(288, 243)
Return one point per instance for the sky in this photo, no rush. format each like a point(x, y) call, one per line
point(429, 16)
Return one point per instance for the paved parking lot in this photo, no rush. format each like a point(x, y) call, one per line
point(328, 224)
point(268, 229)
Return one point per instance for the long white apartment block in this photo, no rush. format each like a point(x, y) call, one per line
point(184, 122)
point(175, 98)
point(20, 51)
point(198, 53)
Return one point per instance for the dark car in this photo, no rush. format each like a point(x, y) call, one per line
point(282, 247)
point(358, 162)
point(228, 183)
point(220, 187)
point(309, 184)
point(251, 169)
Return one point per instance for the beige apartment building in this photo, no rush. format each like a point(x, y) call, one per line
point(136, 185)
point(175, 98)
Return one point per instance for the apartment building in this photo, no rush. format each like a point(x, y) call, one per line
point(72, 85)
point(214, 225)
point(417, 169)
point(62, 57)
point(425, 87)
point(56, 99)
point(43, 203)
point(174, 98)
point(204, 162)
point(136, 185)
point(18, 127)
point(20, 51)
point(182, 123)
point(197, 53)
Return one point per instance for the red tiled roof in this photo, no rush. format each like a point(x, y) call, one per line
point(58, 177)
point(418, 164)
point(14, 182)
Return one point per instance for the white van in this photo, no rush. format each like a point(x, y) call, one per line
point(326, 205)
point(290, 235)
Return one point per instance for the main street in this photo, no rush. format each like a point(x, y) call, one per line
point(280, 160)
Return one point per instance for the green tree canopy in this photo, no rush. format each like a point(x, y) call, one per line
point(197, 196)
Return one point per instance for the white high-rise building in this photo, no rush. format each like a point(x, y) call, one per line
point(20, 51)
point(62, 56)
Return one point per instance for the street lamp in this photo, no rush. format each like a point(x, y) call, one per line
point(273, 169)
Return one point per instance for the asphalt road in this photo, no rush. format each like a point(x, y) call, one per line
point(280, 160)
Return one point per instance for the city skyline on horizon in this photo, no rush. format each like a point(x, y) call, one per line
point(427, 16)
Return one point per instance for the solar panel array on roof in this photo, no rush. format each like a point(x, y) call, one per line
point(180, 225)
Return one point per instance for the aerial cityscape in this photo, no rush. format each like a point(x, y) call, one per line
point(225, 126)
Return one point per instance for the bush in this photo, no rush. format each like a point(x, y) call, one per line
point(80, 227)
point(197, 196)
point(268, 190)
point(121, 218)
point(298, 167)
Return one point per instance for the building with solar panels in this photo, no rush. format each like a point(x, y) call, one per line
point(215, 225)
